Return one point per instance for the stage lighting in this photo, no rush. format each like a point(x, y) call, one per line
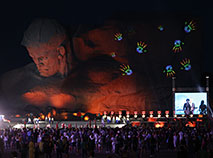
point(183, 115)
point(135, 114)
point(175, 115)
point(1, 117)
point(120, 114)
point(167, 113)
point(86, 118)
point(191, 115)
point(105, 115)
point(159, 114)
point(75, 114)
point(143, 114)
point(112, 112)
point(200, 116)
point(117, 119)
point(108, 119)
point(113, 119)
point(150, 113)
point(127, 114)
point(16, 116)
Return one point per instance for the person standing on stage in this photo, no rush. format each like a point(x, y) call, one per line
point(187, 107)
point(203, 108)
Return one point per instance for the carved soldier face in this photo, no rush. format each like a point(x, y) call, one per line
point(47, 60)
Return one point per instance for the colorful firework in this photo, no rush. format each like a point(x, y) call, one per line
point(177, 46)
point(118, 37)
point(189, 26)
point(113, 54)
point(141, 47)
point(186, 64)
point(126, 69)
point(160, 28)
point(169, 71)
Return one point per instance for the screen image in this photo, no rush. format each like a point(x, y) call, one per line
point(191, 103)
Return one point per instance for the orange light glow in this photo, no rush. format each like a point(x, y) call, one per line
point(191, 124)
point(159, 124)
point(64, 113)
point(75, 114)
point(49, 115)
point(151, 119)
point(199, 120)
point(36, 97)
point(54, 112)
point(86, 118)
point(42, 117)
point(65, 117)
point(18, 115)
point(136, 123)
point(51, 96)
point(61, 100)
point(200, 116)
point(82, 114)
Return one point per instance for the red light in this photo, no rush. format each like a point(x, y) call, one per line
point(143, 112)
point(151, 112)
point(199, 120)
point(127, 112)
point(136, 123)
point(151, 119)
point(135, 112)
point(159, 112)
point(167, 112)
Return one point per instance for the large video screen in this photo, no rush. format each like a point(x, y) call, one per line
point(191, 103)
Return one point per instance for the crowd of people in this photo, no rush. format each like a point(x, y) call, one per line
point(127, 141)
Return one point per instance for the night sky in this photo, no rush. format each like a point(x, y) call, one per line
point(16, 17)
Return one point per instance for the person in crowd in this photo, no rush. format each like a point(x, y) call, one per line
point(1, 147)
point(31, 149)
point(127, 141)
